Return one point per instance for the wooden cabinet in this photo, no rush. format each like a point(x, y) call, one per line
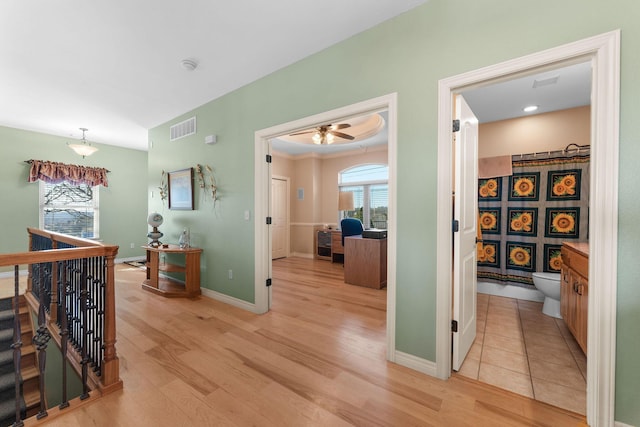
point(337, 250)
point(574, 290)
point(166, 286)
point(365, 262)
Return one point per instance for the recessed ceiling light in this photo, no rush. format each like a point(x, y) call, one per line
point(530, 108)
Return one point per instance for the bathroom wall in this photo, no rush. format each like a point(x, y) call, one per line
point(540, 132)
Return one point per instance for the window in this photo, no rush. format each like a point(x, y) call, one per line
point(370, 188)
point(69, 209)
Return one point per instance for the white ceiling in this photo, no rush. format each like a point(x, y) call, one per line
point(115, 66)
point(557, 89)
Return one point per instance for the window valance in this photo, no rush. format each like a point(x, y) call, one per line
point(54, 173)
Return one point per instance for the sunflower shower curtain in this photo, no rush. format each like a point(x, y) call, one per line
point(525, 217)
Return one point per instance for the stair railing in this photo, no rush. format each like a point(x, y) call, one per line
point(71, 285)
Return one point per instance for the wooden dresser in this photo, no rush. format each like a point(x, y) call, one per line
point(574, 290)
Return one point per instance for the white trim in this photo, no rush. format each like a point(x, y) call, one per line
point(229, 300)
point(9, 274)
point(604, 52)
point(413, 362)
point(510, 291)
point(128, 259)
point(619, 424)
point(262, 188)
point(302, 255)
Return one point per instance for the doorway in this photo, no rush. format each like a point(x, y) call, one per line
point(603, 52)
point(263, 237)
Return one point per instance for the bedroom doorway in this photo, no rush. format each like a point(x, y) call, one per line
point(263, 174)
point(603, 53)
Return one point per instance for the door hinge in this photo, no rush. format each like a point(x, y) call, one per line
point(268, 159)
point(454, 326)
point(455, 226)
point(268, 282)
point(456, 125)
point(268, 220)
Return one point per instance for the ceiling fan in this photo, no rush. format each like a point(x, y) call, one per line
point(325, 134)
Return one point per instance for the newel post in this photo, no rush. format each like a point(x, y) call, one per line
point(111, 369)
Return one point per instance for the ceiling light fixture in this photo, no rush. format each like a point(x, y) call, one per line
point(84, 149)
point(530, 108)
point(189, 64)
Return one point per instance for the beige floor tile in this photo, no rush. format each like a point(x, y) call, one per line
point(470, 368)
point(568, 376)
point(506, 343)
point(560, 396)
point(480, 325)
point(496, 300)
point(550, 354)
point(535, 338)
point(475, 352)
point(505, 359)
point(541, 327)
point(506, 379)
point(506, 330)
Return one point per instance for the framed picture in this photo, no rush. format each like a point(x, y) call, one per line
point(181, 190)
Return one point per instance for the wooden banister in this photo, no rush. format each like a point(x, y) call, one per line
point(65, 248)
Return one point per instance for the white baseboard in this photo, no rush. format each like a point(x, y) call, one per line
point(133, 258)
point(416, 363)
point(510, 291)
point(301, 255)
point(229, 300)
point(9, 274)
point(619, 424)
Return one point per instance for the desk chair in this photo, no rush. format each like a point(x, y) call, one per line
point(351, 227)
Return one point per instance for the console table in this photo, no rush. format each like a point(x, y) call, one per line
point(166, 286)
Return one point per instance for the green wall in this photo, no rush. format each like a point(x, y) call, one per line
point(123, 205)
point(407, 55)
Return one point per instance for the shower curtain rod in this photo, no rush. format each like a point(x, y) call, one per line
point(566, 150)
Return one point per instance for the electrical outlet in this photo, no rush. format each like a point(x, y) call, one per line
point(230, 274)
point(133, 245)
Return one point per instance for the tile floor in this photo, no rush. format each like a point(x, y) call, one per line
point(518, 348)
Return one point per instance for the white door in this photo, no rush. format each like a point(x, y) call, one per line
point(279, 220)
point(464, 240)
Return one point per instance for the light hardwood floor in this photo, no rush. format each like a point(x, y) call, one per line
point(316, 359)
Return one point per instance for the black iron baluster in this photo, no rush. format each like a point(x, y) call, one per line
point(64, 333)
point(41, 340)
point(17, 344)
point(83, 310)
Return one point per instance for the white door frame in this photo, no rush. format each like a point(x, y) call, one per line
point(262, 184)
point(604, 53)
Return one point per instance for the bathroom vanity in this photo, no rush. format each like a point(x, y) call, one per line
point(574, 289)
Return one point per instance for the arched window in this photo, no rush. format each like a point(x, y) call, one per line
point(370, 188)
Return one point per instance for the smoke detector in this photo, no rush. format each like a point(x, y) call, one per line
point(189, 64)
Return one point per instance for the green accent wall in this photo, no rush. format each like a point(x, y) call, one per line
point(407, 55)
point(123, 205)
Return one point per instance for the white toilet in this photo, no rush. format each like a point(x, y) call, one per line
point(549, 285)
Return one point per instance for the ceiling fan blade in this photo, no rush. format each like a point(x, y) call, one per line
point(303, 133)
point(341, 135)
point(340, 126)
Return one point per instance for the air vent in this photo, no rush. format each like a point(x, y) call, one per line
point(182, 129)
point(545, 82)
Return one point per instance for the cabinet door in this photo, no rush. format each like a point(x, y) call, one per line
point(565, 294)
point(582, 304)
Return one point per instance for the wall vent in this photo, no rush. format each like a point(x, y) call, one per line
point(182, 129)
